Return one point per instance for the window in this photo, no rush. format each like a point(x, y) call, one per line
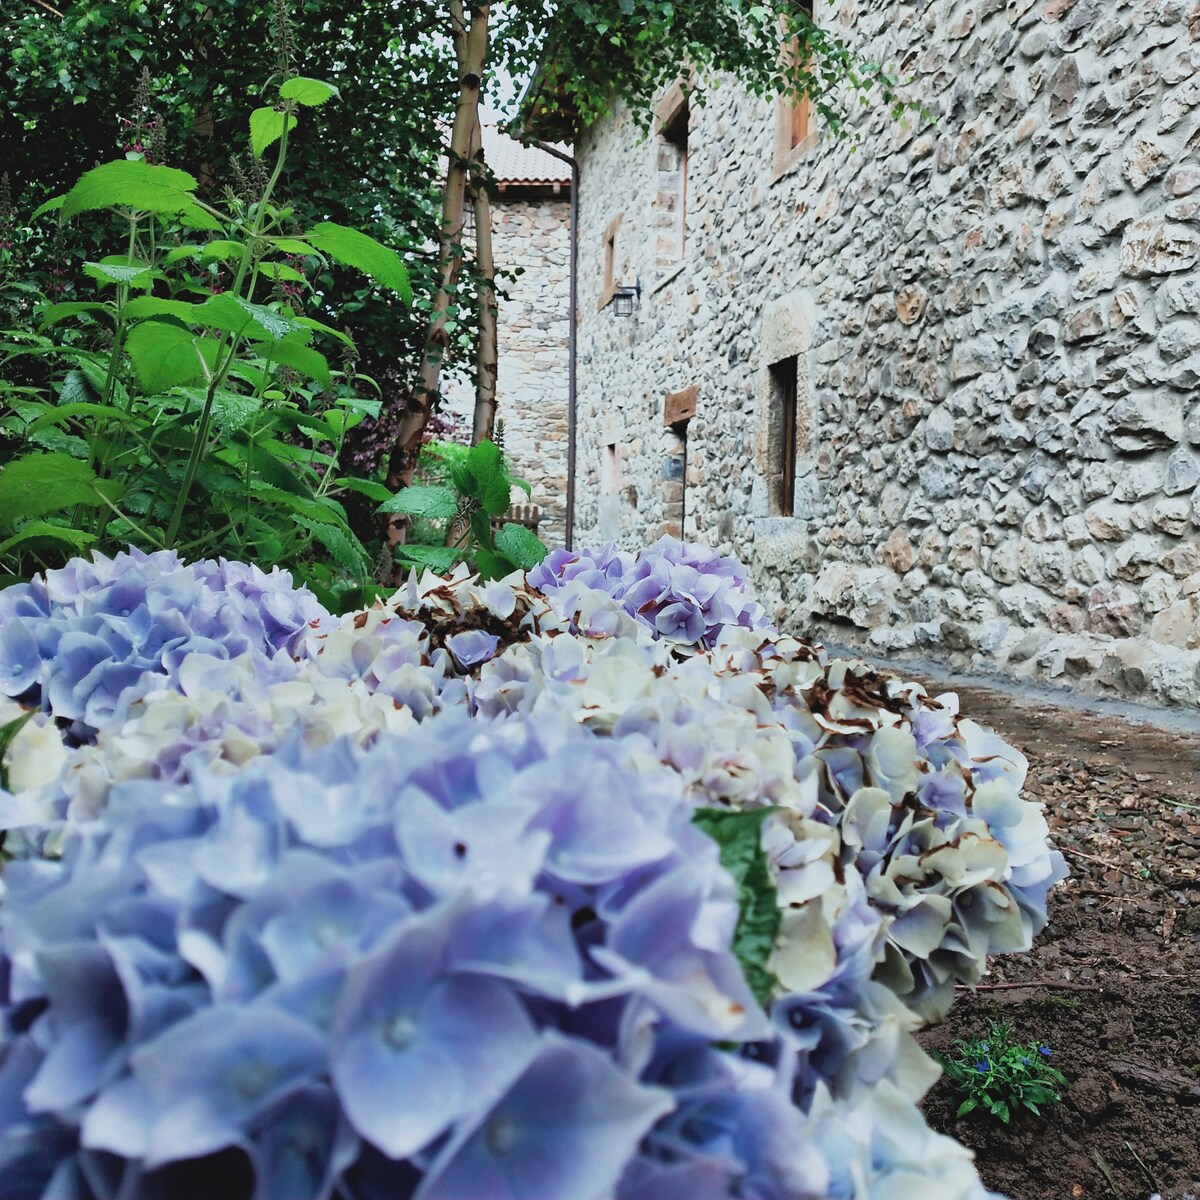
point(672, 117)
point(678, 410)
point(793, 118)
point(784, 434)
point(608, 288)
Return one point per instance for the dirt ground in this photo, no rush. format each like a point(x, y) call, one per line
point(1113, 983)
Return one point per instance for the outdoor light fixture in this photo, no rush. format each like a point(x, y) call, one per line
point(625, 299)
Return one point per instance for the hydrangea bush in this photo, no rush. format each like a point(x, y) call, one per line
point(582, 884)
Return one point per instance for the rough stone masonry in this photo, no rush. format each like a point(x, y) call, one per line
point(995, 322)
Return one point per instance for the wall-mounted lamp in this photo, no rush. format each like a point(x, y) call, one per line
point(626, 299)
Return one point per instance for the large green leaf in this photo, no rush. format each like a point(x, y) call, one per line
point(485, 465)
point(436, 558)
point(8, 734)
point(518, 544)
point(137, 185)
point(235, 315)
point(309, 92)
point(345, 548)
point(436, 503)
point(166, 355)
point(42, 533)
point(739, 836)
point(266, 126)
point(132, 275)
point(310, 363)
point(44, 483)
point(141, 307)
point(365, 254)
point(53, 313)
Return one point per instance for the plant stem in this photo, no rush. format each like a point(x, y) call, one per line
point(219, 373)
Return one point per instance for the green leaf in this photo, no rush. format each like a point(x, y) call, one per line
point(130, 184)
point(290, 245)
point(221, 250)
point(739, 836)
point(345, 548)
point(52, 205)
point(309, 92)
point(965, 1107)
point(141, 307)
point(436, 503)
point(230, 410)
point(521, 545)
point(493, 566)
point(132, 276)
point(266, 126)
point(165, 356)
point(365, 254)
point(436, 558)
point(309, 323)
point(310, 363)
point(53, 313)
point(365, 487)
point(8, 734)
point(235, 315)
point(276, 270)
point(40, 533)
point(485, 465)
point(44, 483)
point(61, 414)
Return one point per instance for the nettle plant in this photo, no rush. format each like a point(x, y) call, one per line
point(191, 404)
point(465, 509)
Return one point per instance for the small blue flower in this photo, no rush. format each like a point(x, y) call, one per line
point(1045, 1051)
point(1025, 1061)
point(983, 1066)
point(985, 1045)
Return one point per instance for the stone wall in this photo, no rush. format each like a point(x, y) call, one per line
point(996, 318)
point(532, 234)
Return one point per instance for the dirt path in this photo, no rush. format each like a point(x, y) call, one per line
point(1122, 952)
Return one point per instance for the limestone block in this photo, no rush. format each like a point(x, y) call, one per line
point(1145, 161)
point(1088, 565)
point(1138, 480)
point(1154, 247)
point(1109, 521)
point(1114, 610)
point(1140, 423)
point(1136, 558)
point(861, 595)
point(1182, 472)
point(1173, 516)
point(1178, 625)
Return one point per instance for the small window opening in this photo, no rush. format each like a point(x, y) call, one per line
point(675, 479)
point(793, 116)
point(673, 117)
point(609, 287)
point(784, 435)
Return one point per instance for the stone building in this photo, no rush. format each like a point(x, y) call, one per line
point(531, 236)
point(939, 387)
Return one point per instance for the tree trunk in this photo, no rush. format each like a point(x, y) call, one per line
point(487, 350)
point(470, 49)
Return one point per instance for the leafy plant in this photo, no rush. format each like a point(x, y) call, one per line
point(479, 492)
point(189, 406)
point(739, 835)
point(1000, 1075)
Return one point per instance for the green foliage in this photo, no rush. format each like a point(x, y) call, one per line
point(461, 513)
point(999, 1075)
point(587, 57)
point(187, 406)
point(739, 835)
point(8, 733)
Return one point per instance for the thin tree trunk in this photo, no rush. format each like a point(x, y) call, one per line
point(470, 49)
point(487, 350)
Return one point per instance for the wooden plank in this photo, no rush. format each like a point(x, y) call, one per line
point(680, 406)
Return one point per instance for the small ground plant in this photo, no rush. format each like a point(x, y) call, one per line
point(1001, 1075)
